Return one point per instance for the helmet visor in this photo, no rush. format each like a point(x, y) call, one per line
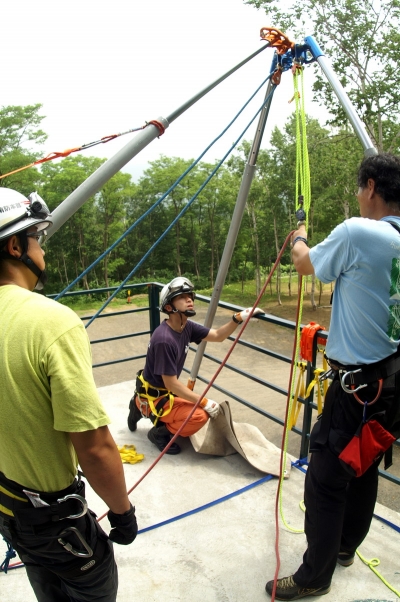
point(40, 234)
point(181, 285)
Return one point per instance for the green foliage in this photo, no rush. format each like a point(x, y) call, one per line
point(18, 133)
point(362, 40)
point(195, 244)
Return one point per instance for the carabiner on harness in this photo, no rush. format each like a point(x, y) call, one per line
point(343, 381)
point(353, 390)
point(67, 546)
point(80, 499)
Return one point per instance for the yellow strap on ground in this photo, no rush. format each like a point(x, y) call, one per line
point(129, 454)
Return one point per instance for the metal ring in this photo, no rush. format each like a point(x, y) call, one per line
point(80, 499)
point(345, 387)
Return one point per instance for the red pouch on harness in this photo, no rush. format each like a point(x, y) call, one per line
point(370, 442)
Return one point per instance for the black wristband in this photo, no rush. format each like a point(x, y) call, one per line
point(234, 318)
point(299, 238)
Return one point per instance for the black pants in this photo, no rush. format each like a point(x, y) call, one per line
point(339, 510)
point(45, 558)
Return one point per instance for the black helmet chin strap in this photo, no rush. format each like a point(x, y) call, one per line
point(189, 313)
point(41, 274)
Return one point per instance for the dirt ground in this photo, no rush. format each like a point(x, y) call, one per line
point(275, 338)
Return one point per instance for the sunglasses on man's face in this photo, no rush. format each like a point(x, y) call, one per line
point(40, 237)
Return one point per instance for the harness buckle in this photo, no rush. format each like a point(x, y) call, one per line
point(67, 546)
point(81, 500)
point(326, 374)
point(343, 381)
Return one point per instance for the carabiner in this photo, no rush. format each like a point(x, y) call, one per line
point(80, 499)
point(326, 374)
point(67, 546)
point(345, 387)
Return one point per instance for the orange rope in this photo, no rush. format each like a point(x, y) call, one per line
point(68, 151)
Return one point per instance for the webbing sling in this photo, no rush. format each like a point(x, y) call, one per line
point(145, 391)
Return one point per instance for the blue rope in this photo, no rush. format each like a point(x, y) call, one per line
point(182, 212)
point(172, 187)
point(298, 464)
point(9, 555)
point(209, 505)
point(303, 461)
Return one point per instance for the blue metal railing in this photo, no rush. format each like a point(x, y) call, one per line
point(153, 289)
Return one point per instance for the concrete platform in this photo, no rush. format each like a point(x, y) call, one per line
point(225, 552)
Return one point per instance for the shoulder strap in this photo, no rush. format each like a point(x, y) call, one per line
point(395, 225)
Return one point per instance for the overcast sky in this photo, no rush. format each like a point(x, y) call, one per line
point(100, 68)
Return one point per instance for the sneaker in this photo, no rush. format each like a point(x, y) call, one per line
point(345, 559)
point(134, 414)
point(161, 436)
point(287, 589)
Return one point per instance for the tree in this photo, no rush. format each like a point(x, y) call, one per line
point(111, 202)
point(19, 131)
point(78, 243)
point(362, 39)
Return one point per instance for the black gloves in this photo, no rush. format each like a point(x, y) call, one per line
point(124, 526)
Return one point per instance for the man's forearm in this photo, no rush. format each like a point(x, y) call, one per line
point(176, 387)
point(300, 253)
point(223, 332)
point(101, 464)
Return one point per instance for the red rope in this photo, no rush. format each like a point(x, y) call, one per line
point(158, 125)
point(235, 342)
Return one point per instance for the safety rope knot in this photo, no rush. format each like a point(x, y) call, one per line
point(158, 125)
point(9, 555)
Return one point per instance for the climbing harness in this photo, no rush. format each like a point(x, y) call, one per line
point(152, 400)
point(37, 509)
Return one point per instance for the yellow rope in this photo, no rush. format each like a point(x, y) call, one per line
point(304, 186)
point(374, 562)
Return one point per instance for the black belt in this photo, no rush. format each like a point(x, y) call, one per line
point(14, 503)
point(368, 373)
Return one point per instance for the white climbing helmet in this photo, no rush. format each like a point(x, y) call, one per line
point(176, 287)
point(17, 212)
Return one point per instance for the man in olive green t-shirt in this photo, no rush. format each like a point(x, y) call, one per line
point(51, 420)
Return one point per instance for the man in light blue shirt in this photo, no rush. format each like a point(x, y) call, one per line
point(362, 257)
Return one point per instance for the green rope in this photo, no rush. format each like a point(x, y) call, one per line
point(374, 562)
point(303, 187)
